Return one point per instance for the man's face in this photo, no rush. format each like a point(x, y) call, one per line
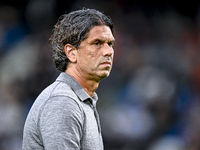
point(95, 54)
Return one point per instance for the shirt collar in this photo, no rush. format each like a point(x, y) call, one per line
point(76, 87)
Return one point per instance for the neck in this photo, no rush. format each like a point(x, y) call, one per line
point(89, 86)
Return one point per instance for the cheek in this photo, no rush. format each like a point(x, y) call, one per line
point(89, 61)
point(93, 53)
point(93, 57)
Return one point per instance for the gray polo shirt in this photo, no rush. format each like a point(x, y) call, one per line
point(63, 117)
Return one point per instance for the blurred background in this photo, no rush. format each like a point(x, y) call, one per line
point(151, 101)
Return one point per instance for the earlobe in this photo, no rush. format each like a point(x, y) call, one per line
point(70, 52)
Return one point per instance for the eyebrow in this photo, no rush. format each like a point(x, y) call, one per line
point(99, 39)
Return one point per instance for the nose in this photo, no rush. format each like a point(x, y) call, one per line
point(108, 50)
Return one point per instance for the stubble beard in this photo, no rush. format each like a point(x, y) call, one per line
point(101, 76)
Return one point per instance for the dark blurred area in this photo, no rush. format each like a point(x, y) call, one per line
point(151, 101)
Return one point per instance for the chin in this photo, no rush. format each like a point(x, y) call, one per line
point(103, 75)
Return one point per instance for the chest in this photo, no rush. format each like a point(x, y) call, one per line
point(91, 139)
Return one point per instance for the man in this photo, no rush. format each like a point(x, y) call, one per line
point(64, 116)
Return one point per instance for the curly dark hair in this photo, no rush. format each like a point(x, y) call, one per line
point(72, 29)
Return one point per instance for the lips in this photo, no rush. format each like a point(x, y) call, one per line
point(106, 63)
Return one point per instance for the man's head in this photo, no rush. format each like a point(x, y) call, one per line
point(72, 29)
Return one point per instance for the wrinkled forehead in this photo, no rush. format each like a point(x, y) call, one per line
point(102, 31)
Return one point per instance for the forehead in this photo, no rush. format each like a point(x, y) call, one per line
point(102, 31)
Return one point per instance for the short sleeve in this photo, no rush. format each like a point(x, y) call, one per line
point(61, 124)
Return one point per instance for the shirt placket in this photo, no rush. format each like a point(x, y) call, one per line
point(96, 115)
point(97, 118)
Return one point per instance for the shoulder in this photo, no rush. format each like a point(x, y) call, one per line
point(62, 103)
point(62, 99)
point(62, 89)
point(58, 109)
point(61, 110)
point(60, 118)
point(57, 98)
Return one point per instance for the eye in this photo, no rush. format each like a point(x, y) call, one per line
point(111, 44)
point(97, 43)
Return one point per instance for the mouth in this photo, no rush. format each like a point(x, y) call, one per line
point(106, 63)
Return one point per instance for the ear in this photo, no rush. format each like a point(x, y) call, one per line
point(70, 52)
